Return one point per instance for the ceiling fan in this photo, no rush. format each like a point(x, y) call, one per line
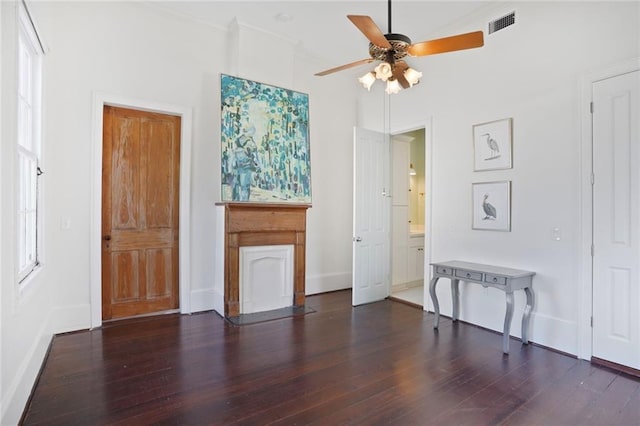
point(391, 48)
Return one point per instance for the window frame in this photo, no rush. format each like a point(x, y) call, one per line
point(28, 186)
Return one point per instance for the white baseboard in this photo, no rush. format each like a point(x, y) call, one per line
point(323, 283)
point(59, 320)
point(406, 286)
point(16, 395)
point(544, 330)
point(554, 333)
point(70, 318)
point(203, 300)
point(210, 299)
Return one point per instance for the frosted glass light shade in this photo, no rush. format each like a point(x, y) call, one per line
point(412, 76)
point(384, 71)
point(393, 87)
point(367, 80)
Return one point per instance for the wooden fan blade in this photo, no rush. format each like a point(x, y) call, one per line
point(447, 44)
point(344, 67)
point(370, 30)
point(398, 73)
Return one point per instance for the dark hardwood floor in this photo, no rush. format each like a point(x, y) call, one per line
point(381, 363)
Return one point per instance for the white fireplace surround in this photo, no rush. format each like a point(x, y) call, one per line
point(266, 278)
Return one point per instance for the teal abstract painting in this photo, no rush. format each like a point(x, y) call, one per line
point(265, 143)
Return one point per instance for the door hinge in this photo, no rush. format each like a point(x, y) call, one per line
point(593, 250)
point(591, 107)
point(593, 179)
point(591, 322)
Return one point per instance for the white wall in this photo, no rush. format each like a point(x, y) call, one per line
point(531, 72)
point(329, 222)
point(136, 51)
point(1, 208)
point(25, 317)
point(276, 60)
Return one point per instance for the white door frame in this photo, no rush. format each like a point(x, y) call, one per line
point(95, 239)
point(428, 189)
point(585, 337)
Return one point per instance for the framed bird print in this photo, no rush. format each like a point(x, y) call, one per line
point(492, 143)
point(491, 206)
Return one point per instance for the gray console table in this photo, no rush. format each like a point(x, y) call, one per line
point(505, 279)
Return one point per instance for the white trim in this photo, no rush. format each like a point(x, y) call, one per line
point(28, 21)
point(16, 393)
point(28, 34)
point(585, 311)
point(204, 300)
point(428, 209)
point(186, 115)
point(323, 283)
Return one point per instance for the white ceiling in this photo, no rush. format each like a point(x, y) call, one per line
point(321, 26)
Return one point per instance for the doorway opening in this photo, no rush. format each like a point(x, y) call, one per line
point(615, 224)
point(140, 212)
point(185, 298)
point(609, 151)
point(408, 182)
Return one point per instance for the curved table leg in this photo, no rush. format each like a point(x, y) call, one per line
point(507, 323)
point(455, 296)
point(526, 315)
point(434, 299)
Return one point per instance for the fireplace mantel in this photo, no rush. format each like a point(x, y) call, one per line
point(254, 224)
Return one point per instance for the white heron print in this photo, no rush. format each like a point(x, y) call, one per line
point(492, 143)
point(489, 210)
point(493, 147)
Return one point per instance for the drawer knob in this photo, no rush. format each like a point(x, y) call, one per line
point(468, 275)
point(495, 280)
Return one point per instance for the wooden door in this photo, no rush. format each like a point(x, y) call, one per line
point(371, 217)
point(616, 219)
point(140, 204)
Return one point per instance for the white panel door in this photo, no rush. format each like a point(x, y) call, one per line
point(616, 220)
point(371, 217)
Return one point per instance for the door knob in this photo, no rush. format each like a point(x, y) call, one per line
point(357, 239)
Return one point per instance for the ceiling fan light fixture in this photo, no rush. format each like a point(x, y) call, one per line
point(367, 80)
point(391, 48)
point(412, 76)
point(383, 71)
point(393, 87)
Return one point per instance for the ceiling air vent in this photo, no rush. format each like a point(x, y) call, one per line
point(503, 22)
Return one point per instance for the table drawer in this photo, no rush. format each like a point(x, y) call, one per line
point(495, 279)
point(469, 275)
point(444, 270)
